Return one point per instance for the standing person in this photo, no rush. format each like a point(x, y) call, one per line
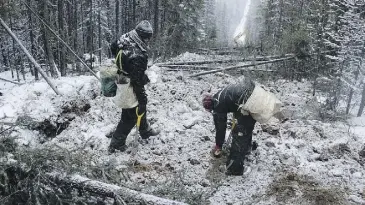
point(229, 100)
point(134, 60)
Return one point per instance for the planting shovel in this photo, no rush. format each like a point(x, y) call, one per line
point(228, 142)
point(135, 140)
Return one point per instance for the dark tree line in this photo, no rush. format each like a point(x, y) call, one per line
point(327, 34)
point(89, 27)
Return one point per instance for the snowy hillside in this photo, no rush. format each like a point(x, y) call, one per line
point(302, 161)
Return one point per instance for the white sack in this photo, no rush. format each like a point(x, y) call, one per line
point(125, 96)
point(261, 105)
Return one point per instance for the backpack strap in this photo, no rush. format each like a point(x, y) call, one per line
point(120, 67)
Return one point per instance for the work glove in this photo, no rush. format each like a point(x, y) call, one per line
point(217, 151)
point(141, 109)
point(121, 79)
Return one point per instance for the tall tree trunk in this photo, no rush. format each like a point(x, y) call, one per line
point(11, 67)
point(9, 50)
point(155, 28)
point(3, 53)
point(69, 20)
point(155, 18)
point(69, 23)
point(127, 15)
point(99, 31)
point(46, 40)
point(337, 90)
point(134, 12)
point(362, 104)
point(31, 38)
point(351, 94)
point(82, 28)
point(75, 33)
point(117, 19)
point(22, 69)
point(91, 33)
point(61, 31)
point(149, 11)
point(107, 34)
point(163, 20)
point(16, 59)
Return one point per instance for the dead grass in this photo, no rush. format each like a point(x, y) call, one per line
point(215, 174)
point(176, 188)
point(297, 189)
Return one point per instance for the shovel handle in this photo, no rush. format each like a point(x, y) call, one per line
point(233, 123)
point(139, 118)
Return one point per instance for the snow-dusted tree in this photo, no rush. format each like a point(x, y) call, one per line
point(222, 23)
point(332, 28)
point(181, 27)
point(285, 24)
point(90, 26)
point(209, 23)
point(347, 41)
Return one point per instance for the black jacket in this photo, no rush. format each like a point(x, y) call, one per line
point(228, 100)
point(134, 63)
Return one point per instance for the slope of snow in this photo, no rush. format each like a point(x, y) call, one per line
point(177, 163)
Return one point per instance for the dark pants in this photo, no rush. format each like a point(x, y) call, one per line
point(241, 143)
point(125, 125)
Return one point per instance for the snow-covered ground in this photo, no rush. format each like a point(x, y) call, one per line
point(302, 161)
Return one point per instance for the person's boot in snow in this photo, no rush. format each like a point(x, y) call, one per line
point(234, 167)
point(112, 149)
point(117, 144)
point(145, 134)
point(217, 151)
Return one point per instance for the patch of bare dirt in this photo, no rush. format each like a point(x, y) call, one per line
point(297, 189)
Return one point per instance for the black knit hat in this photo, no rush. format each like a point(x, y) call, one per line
point(144, 29)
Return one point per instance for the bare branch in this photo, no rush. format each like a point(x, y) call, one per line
point(10, 81)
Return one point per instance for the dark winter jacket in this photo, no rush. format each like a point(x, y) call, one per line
point(228, 100)
point(134, 62)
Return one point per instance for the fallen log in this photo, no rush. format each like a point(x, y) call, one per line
point(10, 81)
point(261, 70)
point(219, 48)
point(198, 62)
point(244, 69)
point(227, 52)
point(110, 190)
point(258, 58)
point(188, 66)
point(8, 123)
point(240, 66)
point(218, 52)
